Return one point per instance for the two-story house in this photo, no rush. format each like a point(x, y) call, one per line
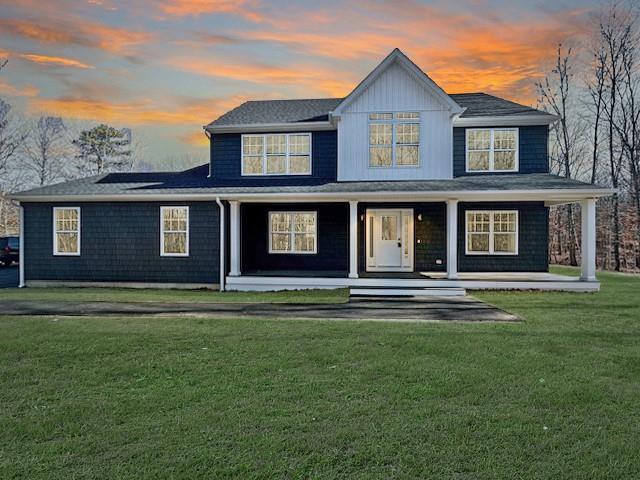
point(399, 185)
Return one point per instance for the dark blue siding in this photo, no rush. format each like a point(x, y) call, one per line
point(120, 242)
point(533, 150)
point(533, 237)
point(333, 239)
point(226, 162)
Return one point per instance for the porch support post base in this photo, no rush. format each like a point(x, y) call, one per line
point(353, 239)
point(452, 239)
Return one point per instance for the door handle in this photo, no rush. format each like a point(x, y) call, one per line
point(399, 244)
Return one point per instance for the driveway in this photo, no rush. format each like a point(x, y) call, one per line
point(9, 276)
point(429, 309)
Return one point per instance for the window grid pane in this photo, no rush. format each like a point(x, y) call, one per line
point(292, 232)
point(282, 154)
point(67, 231)
point(175, 230)
point(492, 232)
point(492, 150)
point(395, 142)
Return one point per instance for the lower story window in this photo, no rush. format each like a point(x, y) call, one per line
point(293, 232)
point(174, 231)
point(66, 230)
point(492, 232)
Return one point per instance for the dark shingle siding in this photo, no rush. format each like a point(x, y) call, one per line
point(120, 242)
point(533, 156)
point(333, 239)
point(533, 237)
point(226, 165)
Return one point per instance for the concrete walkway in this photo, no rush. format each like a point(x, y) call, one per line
point(427, 309)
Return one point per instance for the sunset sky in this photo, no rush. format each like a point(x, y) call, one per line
point(165, 68)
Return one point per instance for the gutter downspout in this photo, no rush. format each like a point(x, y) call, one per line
point(223, 266)
point(21, 259)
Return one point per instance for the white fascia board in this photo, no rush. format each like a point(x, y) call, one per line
point(550, 196)
point(504, 121)
point(270, 127)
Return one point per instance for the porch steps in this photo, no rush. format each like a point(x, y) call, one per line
point(407, 292)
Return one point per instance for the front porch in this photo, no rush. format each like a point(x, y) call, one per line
point(437, 248)
point(468, 280)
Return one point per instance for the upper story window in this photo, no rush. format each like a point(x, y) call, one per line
point(174, 231)
point(492, 150)
point(66, 230)
point(276, 154)
point(394, 139)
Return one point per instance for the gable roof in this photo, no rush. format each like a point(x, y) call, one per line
point(318, 109)
point(279, 111)
point(397, 57)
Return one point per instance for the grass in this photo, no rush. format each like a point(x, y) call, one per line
point(87, 294)
point(555, 396)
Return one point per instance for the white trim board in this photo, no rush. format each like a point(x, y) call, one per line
point(550, 196)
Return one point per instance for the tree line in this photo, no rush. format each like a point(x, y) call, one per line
point(594, 89)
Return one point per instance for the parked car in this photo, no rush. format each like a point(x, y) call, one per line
point(9, 250)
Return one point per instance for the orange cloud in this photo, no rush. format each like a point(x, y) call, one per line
point(314, 79)
point(48, 60)
point(195, 138)
point(181, 8)
point(76, 33)
point(24, 91)
point(197, 112)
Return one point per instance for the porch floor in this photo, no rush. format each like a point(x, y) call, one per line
point(292, 280)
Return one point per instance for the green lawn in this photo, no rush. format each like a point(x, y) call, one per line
point(171, 296)
point(555, 396)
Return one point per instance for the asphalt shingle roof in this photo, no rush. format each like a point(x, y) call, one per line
point(196, 181)
point(315, 109)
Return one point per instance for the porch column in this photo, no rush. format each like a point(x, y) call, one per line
point(452, 239)
point(234, 240)
point(353, 239)
point(588, 245)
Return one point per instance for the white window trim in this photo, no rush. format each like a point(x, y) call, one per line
point(264, 155)
point(55, 232)
point(395, 121)
point(516, 164)
point(291, 233)
point(162, 232)
point(491, 233)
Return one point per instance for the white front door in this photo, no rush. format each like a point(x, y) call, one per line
point(389, 240)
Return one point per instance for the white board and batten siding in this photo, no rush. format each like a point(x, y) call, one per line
point(396, 90)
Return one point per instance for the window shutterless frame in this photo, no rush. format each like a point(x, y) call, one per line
point(291, 232)
point(394, 119)
point(264, 155)
point(491, 232)
point(56, 252)
point(163, 231)
point(516, 162)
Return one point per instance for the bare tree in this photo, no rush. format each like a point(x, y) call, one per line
point(556, 94)
point(596, 89)
point(615, 32)
point(45, 150)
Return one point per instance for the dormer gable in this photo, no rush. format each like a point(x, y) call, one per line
point(415, 88)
